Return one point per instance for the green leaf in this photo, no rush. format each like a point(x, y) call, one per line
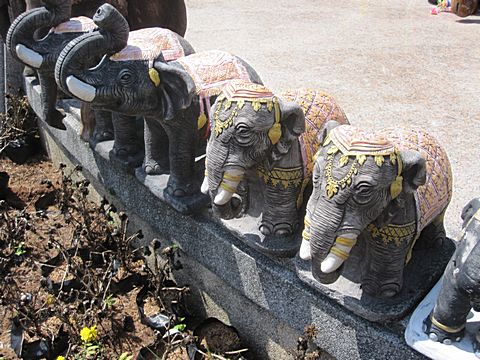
point(180, 327)
point(20, 250)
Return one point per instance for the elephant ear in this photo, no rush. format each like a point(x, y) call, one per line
point(176, 88)
point(326, 128)
point(292, 123)
point(414, 171)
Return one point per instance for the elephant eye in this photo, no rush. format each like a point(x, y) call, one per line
point(243, 134)
point(363, 193)
point(126, 77)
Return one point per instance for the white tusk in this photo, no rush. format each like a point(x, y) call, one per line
point(80, 89)
point(29, 56)
point(332, 261)
point(222, 197)
point(204, 188)
point(305, 253)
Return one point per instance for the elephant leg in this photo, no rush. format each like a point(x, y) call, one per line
point(280, 217)
point(156, 160)
point(182, 136)
point(385, 264)
point(50, 114)
point(126, 144)
point(446, 323)
point(103, 129)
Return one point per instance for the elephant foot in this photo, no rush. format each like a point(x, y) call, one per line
point(437, 334)
point(54, 119)
point(101, 135)
point(127, 156)
point(152, 167)
point(279, 229)
point(382, 289)
point(186, 204)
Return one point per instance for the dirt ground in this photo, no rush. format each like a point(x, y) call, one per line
point(388, 63)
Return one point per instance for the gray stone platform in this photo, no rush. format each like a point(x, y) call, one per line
point(260, 296)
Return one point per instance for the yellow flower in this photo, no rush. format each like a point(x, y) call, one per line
point(60, 358)
point(89, 334)
point(50, 301)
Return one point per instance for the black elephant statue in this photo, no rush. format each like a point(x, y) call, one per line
point(390, 188)
point(272, 137)
point(460, 290)
point(42, 55)
point(174, 98)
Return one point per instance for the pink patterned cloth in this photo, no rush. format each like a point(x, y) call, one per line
point(76, 24)
point(149, 43)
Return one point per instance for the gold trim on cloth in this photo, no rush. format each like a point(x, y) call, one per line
point(76, 24)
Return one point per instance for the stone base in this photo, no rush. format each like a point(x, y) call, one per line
point(423, 270)
point(260, 296)
point(417, 339)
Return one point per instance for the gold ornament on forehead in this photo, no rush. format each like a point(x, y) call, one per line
point(344, 139)
point(235, 95)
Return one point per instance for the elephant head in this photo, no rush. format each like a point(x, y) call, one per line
point(257, 129)
point(358, 178)
point(21, 41)
point(132, 86)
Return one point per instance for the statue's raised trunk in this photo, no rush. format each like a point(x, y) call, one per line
point(20, 39)
point(84, 51)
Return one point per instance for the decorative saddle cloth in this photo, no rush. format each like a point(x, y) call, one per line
point(75, 25)
point(148, 44)
point(212, 70)
point(319, 108)
point(435, 194)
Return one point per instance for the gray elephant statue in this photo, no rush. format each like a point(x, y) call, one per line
point(259, 135)
point(388, 189)
point(174, 98)
point(460, 290)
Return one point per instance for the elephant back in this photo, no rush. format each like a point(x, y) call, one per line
point(319, 108)
point(212, 70)
point(80, 24)
point(434, 196)
point(148, 44)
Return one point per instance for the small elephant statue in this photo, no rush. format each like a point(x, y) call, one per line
point(387, 188)
point(259, 134)
point(460, 290)
point(174, 98)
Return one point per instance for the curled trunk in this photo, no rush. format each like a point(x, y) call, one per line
point(84, 51)
point(21, 32)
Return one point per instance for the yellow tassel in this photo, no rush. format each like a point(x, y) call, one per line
point(275, 133)
point(396, 187)
point(202, 120)
point(154, 76)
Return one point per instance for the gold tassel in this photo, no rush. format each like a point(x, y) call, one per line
point(202, 120)
point(154, 76)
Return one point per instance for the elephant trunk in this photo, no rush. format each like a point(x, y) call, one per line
point(84, 51)
point(20, 39)
point(328, 248)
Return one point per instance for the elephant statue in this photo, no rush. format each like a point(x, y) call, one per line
point(174, 98)
point(386, 188)
point(42, 55)
point(169, 14)
point(258, 134)
point(460, 290)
